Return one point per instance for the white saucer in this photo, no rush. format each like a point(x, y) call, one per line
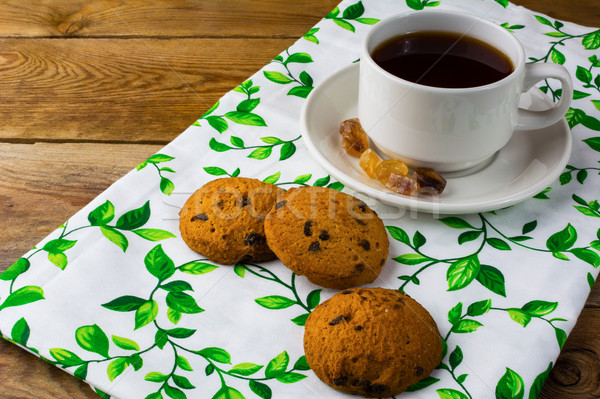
point(530, 161)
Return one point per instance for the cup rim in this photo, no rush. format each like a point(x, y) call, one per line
point(518, 64)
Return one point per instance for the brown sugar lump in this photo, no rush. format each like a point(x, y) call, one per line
point(224, 220)
point(354, 138)
point(332, 238)
point(374, 342)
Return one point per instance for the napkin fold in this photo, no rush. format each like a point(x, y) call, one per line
point(115, 297)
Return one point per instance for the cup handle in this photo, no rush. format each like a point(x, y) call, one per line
point(529, 120)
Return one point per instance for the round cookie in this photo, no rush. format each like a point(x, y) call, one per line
point(224, 219)
point(332, 238)
point(374, 342)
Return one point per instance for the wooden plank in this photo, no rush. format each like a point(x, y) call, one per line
point(146, 90)
point(594, 298)
point(25, 376)
point(42, 185)
point(584, 12)
point(576, 374)
point(187, 18)
point(201, 18)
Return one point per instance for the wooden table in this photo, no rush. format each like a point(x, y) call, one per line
point(90, 88)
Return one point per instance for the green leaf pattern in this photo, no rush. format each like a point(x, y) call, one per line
point(166, 185)
point(175, 326)
point(301, 82)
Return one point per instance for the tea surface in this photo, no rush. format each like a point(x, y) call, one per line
point(442, 59)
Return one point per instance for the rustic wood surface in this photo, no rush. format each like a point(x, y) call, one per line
point(88, 89)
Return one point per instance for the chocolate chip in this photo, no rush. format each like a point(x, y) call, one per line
point(314, 246)
point(220, 204)
point(245, 201)
point(346, 292)
point(359, 222)
point(253, 239)
point(324, 236)
point(419, 371)
point(365, 245)
point(337, 320)
point(359, 267)
point(376, 388)
point(308, 228)
point(358, 328)
point(396, 306)
point(341, 380)
point(280, 204)
point(200, 216)
point(362, 206)
point(382, 261)
point(362, 383)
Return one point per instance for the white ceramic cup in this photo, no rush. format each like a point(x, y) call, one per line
point(450, 129)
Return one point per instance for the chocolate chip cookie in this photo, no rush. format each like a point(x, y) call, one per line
point(224, 219)
point(332, 238)
point(374, 342)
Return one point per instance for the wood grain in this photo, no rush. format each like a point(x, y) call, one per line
point(25, 376)
point(42, 185)
point(584, 12)
point(89, 88)
point(146, 18)
point(594, 298)
point(576, 373)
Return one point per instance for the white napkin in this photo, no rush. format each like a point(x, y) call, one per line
point(115, 296)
